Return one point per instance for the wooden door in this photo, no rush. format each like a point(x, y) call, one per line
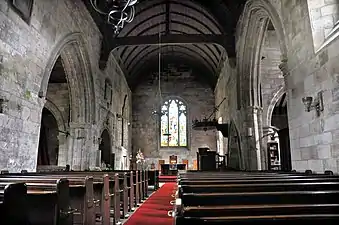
point(195, 164)
point(160, 162)
point(185, 161)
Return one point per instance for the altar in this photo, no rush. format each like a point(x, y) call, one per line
point(171, 169)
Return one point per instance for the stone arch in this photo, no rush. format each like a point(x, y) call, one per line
point(57, 114)
point(62, 126)
point(106, 146)
point(272, 104)
point(251, 32)
point(234, 148)
point(75, 59)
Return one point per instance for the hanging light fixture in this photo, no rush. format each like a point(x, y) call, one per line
point(207, 123)
point(117, 12)
point(158, 111)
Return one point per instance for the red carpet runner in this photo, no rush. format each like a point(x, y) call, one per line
point(167, 179)
point(154, 210)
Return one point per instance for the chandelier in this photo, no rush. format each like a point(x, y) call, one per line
point(118, 12)
point(207, 123)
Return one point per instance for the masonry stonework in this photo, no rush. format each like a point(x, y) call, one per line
point(28, 53)
point(303, 45)
point(199, 98)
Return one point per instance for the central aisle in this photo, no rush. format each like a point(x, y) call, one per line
point(154, 210)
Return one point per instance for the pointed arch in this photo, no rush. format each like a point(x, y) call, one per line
point(251, 32)
point(72, 50)
point(174, 123)
point(272, 104)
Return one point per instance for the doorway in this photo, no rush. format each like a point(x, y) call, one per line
point(280, 121)
point(48, 144)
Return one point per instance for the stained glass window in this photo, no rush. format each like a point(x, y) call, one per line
point(174, 124)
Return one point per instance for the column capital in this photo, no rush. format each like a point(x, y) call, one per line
point(255, 108)
point(283, 66)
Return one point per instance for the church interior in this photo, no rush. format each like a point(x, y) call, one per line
point(169, 112)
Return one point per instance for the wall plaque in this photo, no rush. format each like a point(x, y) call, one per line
point(23, 8)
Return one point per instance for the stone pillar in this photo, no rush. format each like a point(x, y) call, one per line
point(252, 148)
point(81, 145)
point(63, 149)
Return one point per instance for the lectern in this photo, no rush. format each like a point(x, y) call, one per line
point(206, 159)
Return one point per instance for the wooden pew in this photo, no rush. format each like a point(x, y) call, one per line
point(42, 192)
point(13, 207)
point(45, 203)
point(127, 188)
point(123, 192)
point(243, 198)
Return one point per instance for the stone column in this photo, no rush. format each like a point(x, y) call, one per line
point(81, 145)
point(252, 148)
point(63, 149)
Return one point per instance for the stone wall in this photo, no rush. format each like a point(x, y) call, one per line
point(199, 98)
point(306, 70)
point(324, 16)
point(314, 140)
point(27, 55)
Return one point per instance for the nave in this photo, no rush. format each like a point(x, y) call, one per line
point(199, 197)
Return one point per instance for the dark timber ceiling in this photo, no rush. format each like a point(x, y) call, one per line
point(197, 33)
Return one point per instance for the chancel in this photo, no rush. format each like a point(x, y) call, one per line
point(173, 167)
point(169, 112)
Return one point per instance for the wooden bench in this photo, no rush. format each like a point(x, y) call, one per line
point(13, 205)
point(44, 202)
point(90, 196)
point(129, 192)
point(140, 182)
point(248, 198)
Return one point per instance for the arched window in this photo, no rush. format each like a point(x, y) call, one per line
point(173, 124)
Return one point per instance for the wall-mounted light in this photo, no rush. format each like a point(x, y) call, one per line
point(317, 103)
point(250, 132)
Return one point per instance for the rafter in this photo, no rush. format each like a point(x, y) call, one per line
point(225, 41)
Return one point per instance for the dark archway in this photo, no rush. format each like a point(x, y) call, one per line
point(55, 114)
point(280, 121)
point(48, 143)
point(234, 149)
point(106, 149)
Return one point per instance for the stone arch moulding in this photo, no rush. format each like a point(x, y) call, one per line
point(62, 126)
point(111, 135)
point(272, 104)
point(73, 52)
point(255, 17)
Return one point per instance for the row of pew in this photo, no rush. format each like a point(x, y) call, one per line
point(67, 198)
point(256, 198)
